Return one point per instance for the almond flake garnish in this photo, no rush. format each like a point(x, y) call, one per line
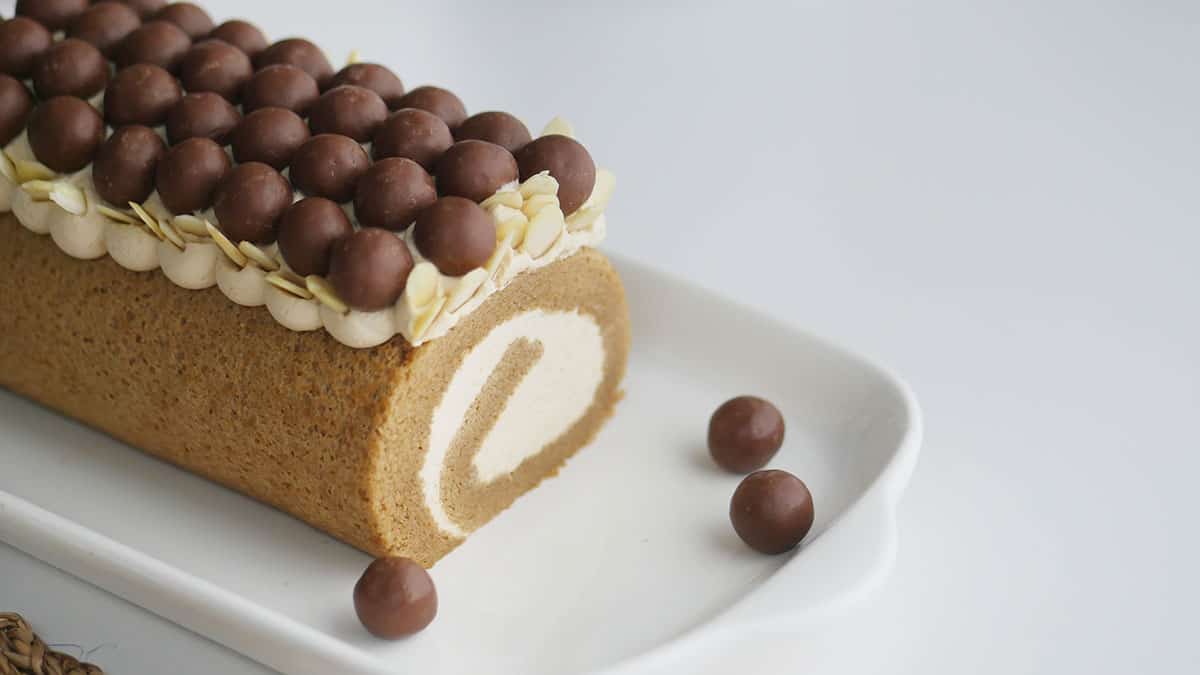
point(467, 285)
point(509, 198)
point(191, 225)
point(172, 235)
point(595, 205)
point(323, 291)
point(28, 169)
point(510, 224)
point(354, 57)
point(38, 190)
point(227, 247)
point(257, 256)
point(536, 203)
point(116, 215)
point(501, 257)
point(69, 198)
point(288, 282)
point(539, 184)
point(421, 322)
point(7, 170)
point(148, 220)
point(559, 126)
point(423, 285)
point(544, 229)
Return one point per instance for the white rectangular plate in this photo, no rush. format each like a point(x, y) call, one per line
point(624, 563)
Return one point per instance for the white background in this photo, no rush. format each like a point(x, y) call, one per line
point(999, 200)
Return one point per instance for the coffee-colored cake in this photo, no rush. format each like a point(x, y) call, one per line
point(353, 302)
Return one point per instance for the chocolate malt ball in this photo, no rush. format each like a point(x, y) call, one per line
point(395, 597)
point(269, 135)
point(161, 43)
point(348, 110)
point(280, 86)
point(188, 175)
point(375, 77)
point(124, 168)
point(141, 94)
point(249, 201)
point(475, 170)
point(300, 53)
point(771, 511)
point(370, 268)
point(308, 231)
point(22, 41)
point(496, 127)
point(216, 66)
point(567, 161)
point(53, 14)
point(15, 105)
point(203, 115)
point(440, 102)
point(391, 194)
point(456, 234)
point(745, 433)
point(144, 8)
point(70, 67)
point(65, 133)
point(414, 134)
point(243, 35)
point(104, 25)
point(329, 166)
point(194, 21)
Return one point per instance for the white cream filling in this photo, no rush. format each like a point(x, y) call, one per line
point(295, 313)
point(132, 247)
point(246, 286)
point(194, 267)
point(359, 329)
point(552, 396)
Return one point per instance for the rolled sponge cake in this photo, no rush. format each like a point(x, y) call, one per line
point(395, 450)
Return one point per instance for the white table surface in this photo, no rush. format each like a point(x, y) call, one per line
point(1002, 202)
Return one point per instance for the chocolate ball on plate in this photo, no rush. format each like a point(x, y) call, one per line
point(202, 115)
point(392, 192)
point(369, 268)
point(65, 133)
point(141, 94)
point(70, 67)
point(475, 170)
point(348, 110)
point(243, 35)
point(269, 135)
point(22, 41)
point(456, 234)
point(440, 102)
point(308, 231)
point(53, 14)
point(329, 166)
point(161, 43)
point(280, 86)
point(216, 66)
point(375, 77)
point(187, 176)
point(15, 105)
point(144, 8)
point(567, 161)
point(496, 127)
point(745, 433)
point(123, 170)
point(395, 597)
point(194, 21)
point(249, 200)
point(300, 53)
point(104, 25)
point(771, 511)
point(415, 134)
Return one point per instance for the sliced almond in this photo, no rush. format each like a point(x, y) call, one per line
point(606, 182)
point(171, 234)
point(510, 222)
point(116, 215)
point(288, 282)
point(559, 126)
point(38, 190)
point(422, 321)
point(259, 257)
point(538, 202)
point(69, 198)
point(424, 284)
point(28, 169)
point(227, 247)
point(354, 57)
point(467, 285)
point(504, 250)
point(190, 224)
point(148, 220)
point(323, 291)
point(509, 198)
point(539, 184)
point(544, 229)
point(7, 170)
